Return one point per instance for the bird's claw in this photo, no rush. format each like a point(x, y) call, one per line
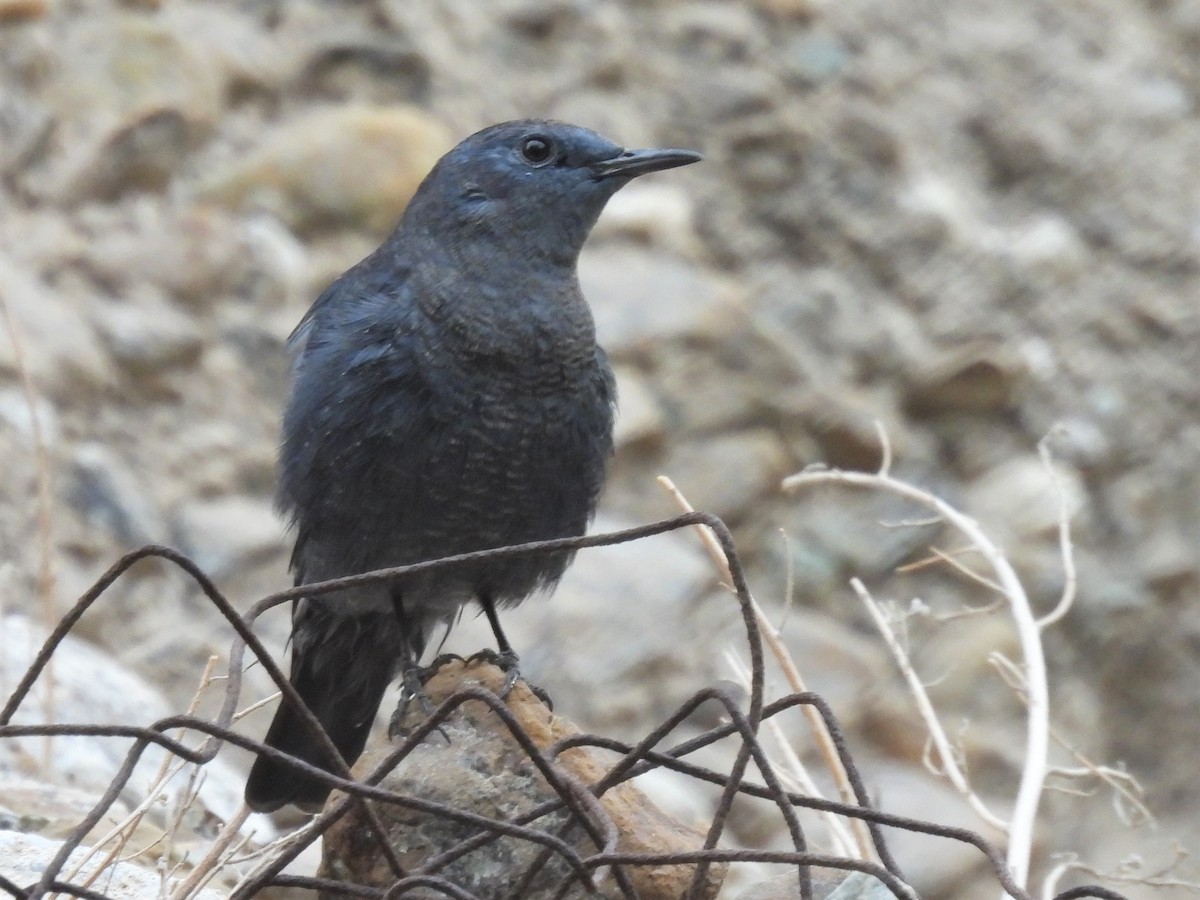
point(509, 663)
point(412, 688)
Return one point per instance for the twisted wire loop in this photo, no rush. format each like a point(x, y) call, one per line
point(585, 817)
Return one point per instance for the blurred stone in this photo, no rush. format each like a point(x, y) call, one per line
point(61, 351)
point(844, 425)
point(473, 763)
point(976, 379)
point(129, 106)
point(85, 686)
point(372, 68)
point(811, 59)
point(1169, 563)
point(729, 473)
point(933, 866)
point(716, 32)
point(25, 126)
point(14, 11)
point(16, 412)
point(106, 491)
point(345, 165)
point(55, 810)
point(146, 335)
point(196, 255)
point(24, 857)
point(1021, 497)
point(242, 54)
point(788, 10)
point(641, 299)
point(656, 214)
point(841, 531)
point(639, 414)
point(225, 534)
point(828, 884)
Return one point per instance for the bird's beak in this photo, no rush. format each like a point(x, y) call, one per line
point(632, 163)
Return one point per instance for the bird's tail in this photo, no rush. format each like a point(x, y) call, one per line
point(341, 679)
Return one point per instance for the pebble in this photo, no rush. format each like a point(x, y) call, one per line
point(347, 165)
point(132, 103)
point(981, 378)
point(111, 497)
point(657, 215)
point(89, 686)
point(24, 857)
point(225, 534)
point(1020, 497)
point(640, 418)
point(728, 474)
point(640, 299)
point(61, 351)
point(147, 335)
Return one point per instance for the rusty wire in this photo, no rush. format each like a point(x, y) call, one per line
point(579, 801)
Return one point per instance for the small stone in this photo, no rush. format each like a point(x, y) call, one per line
point(226, 534)
point(844, 425)
point(54, 810)
point(195, 255)
point(1021, 497)
point(131, 104)
point(112, 498)
point(640, 416)
point(25, 125)
point(15, 409)
point(810, 59)
point(62, 352)
point(654, 214)
point(728, 474)
point(148, 336)
point(974, 379)
point(828, 884)
point(88, 685)
point(473, 763)
point(24, 857)
point(641, 299)
point(14, 11)
point(355, 165)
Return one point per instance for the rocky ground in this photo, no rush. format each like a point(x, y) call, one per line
point(969, 220)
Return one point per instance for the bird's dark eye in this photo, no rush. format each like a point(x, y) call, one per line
point(536, 150)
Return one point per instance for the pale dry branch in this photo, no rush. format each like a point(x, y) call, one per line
point(949, 760)
point(46, 578)
point(1065, 548)
point(217, 856)
point(1033, 775)
point(771, 638)
point(794, 773)
point(1128, 872)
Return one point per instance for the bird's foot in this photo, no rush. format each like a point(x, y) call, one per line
point(508, 662)
point(412, 682)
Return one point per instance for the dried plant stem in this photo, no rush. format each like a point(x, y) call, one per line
point(941, 741)
point(208, 866)
point(45, 514)
point(837, 827)
point(1033, 775)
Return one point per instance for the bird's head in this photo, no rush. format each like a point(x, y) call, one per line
point(535, 186)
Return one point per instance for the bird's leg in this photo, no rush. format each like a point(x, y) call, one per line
point(412, 676)
point(506, 659)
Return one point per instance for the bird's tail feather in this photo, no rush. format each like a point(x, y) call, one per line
point(342, 680)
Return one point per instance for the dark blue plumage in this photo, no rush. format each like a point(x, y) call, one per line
point(448, 396)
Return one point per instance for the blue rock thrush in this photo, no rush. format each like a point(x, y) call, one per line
point(448, 396)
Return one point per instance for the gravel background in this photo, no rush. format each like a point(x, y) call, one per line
point(970, 220)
